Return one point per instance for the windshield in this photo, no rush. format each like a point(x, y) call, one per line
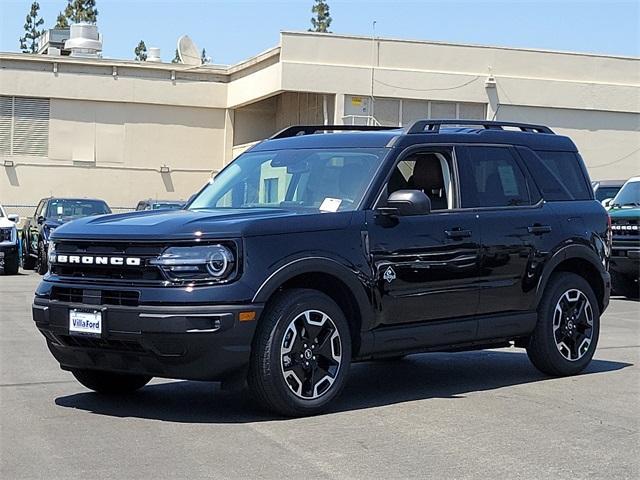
point(67, 209)
point(327, 180)
point(606, 192)
point(166, 206)
point(628, 196)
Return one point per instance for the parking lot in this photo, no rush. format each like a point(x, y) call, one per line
point(486, 414)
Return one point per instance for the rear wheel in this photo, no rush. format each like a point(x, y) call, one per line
point(301, 353)
point(109, 382)
point(566, 334)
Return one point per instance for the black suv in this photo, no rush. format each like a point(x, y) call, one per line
point(327, 245)
point(49, 214)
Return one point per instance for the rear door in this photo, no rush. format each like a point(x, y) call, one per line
point(516, 227)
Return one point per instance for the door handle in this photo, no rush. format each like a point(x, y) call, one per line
point(539, 229)
point(458, 234)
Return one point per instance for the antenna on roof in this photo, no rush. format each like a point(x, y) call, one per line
point(188, 52)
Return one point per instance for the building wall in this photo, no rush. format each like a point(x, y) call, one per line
point(115, 151)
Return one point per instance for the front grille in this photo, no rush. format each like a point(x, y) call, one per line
point(625, 227)
point(143, 273)
point(96, 297)
point(101, 343)
point(69, 295)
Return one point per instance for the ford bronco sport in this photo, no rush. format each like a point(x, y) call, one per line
point(625, 251)
point(326, 245)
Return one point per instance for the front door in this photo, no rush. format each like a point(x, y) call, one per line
point(426, 266)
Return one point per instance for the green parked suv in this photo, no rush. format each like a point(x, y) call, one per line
point(625, 227)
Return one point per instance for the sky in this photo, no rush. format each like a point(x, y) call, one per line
point(233, 30)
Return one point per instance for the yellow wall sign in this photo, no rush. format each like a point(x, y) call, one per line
point(356, 101)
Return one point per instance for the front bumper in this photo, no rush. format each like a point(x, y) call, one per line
point(7, 250)
point(183, 342)
point(625, 257)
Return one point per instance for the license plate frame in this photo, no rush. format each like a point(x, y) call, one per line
point(86, 322)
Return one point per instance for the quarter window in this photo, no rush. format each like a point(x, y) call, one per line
point(490, 177)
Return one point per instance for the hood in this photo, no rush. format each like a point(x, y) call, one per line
point(624, 212)
point(160, 225)
point(6, 223)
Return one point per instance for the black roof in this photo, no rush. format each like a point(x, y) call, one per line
point(537, 137)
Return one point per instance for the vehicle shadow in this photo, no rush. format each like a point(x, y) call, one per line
point(370, 384)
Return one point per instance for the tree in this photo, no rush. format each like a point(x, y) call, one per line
point(61, 21)
point(176, 58)
point(203, 57)
point(141, 51)
point(29, 43)
point(322, 19)
point(78, 11)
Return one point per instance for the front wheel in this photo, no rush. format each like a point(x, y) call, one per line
point(625, 285)
point(11, 265)
point(301, 353)
point(42, 265)
point(110, 383)
point(566, 334)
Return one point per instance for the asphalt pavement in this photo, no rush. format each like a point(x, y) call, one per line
point(485, 414)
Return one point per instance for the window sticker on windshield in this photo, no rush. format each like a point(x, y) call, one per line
point(508, 180)
point(330, 204)
point(60, 210)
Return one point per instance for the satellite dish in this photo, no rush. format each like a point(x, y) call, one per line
point(188, 52)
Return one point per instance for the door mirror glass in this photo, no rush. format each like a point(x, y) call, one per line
point(13, 217)
point(407, 202)
point(40, 220)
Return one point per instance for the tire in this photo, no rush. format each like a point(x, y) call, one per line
point(41, 264)
point(285, 341)
point(568, 307)
point(625, 286)
point(11, 265)
point(110, 383)
point(28, 262)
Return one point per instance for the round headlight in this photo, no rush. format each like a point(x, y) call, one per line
point(219, 261)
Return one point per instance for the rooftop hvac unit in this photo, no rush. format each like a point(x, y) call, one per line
point(154, 55)
point(84, 41)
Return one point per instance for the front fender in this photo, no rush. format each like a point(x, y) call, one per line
point(286, 270)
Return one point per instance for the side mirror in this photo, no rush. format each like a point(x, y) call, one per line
point(13, 217)
point(407, 202)
point(606, 203)
point(40, 220)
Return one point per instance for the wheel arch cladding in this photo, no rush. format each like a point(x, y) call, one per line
point(582, 262)
point(331, 278)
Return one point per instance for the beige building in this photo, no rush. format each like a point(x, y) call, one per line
point(123, 130)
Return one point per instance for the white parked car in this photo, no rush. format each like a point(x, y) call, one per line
point(9, 255)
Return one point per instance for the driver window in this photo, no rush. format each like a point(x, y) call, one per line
point(428, 172)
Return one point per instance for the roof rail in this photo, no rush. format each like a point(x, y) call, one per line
point(296, 130)
point(433, 126)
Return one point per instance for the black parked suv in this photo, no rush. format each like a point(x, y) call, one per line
point(49, 214)
point(325, 245)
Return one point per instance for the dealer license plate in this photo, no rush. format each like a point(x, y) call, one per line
point(85, 322)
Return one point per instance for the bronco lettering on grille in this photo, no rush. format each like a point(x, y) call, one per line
point(91, 260)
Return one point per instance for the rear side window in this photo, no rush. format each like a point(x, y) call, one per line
point(559, 175)
point(491, 177)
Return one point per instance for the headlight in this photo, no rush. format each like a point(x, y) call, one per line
point(206, 262)
point(51, 252)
